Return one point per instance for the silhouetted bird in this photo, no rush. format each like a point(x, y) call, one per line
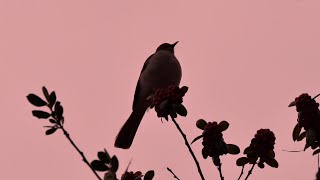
point(160, 70)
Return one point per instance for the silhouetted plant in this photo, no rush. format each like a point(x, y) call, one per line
point(260, 151)
point(309, 120)
point(56, 118)
point(213, 142)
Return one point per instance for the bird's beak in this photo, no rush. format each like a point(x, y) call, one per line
point(174, 44)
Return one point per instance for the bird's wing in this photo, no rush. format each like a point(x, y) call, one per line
point(138, 87)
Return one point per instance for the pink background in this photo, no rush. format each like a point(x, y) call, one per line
point(244, 62)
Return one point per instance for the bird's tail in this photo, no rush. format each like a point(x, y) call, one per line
point(128, 131)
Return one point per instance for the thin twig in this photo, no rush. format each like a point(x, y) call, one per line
point(318, 162)
point(80, 152)
point(220, 171)
point(241, 172)
point(316, 96)
point(190, 150)
point(250, 171)
point(174, 175)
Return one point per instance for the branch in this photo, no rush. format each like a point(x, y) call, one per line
point(190, 150)
point(220, 172)
point(172, 173)
point(80, 152)
point(250, 171)
point(241, 172)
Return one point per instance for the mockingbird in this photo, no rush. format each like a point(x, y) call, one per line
point(160, 70)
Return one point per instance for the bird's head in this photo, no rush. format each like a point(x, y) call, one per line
point(167, 47)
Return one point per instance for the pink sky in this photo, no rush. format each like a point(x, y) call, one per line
point(244, 62)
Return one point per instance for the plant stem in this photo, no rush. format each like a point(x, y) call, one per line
point(172, 173)
point(80, 152)
point(250, 171)
point(220, 172)
point(190, 150)
point(316, 96)
point(241, 172)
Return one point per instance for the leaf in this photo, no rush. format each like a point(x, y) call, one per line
point(45, 93)
point(306, 146)
point(242, 161)
point(184, 89)
point(99, 166)
point(261, 165)
point(180, 109)
point(53, 121)
point(204, 153)
point(163, 104)
point(36, 100)
point(271, 162)
point(40, 114)
point(310, 136)
point(197, 138)
point(233, 149)
point(252, 160)
point(271, 154)
point(109, 176)
point(51, 131)
point(114, 163)
point(247, 150)
point(149, 175)
point(216, 160)
point(201, 123)
point(302, 136)
point(103, 157)
point(316, 152)
point(293, 103)
point(223, 125)
point(59, 110)
point(52, 98)
point(296, 132)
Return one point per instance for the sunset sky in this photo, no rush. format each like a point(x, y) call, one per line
point(243, 61)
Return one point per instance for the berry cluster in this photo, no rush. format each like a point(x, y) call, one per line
point(213, 143)
point(263, 142)
point(132, 176)
point(308, 110)
point(164, 98)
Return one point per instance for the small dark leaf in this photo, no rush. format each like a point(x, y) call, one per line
point(242, 161)
point(52, 98)
point(316, 152)
point(261, 165)
point(109, 175)
point(293, 103)
point(296, 132)
point(62, 120)
point(247, 150)
point(99, 166)
point(233, 149)
point(216, 160)
point(59, 111)
point(163, 104)
point(103, 157)
point(114, 163)
point(173, 115)
point(45, 93)
point(271, 162)
point(36, 100)
point(40, 114)
point(197, 138)
point(149, 175)
point(204, 153)
point(201, 123)
point(311, 137)
point(306, 146)
point(184, 89)
point(302, 136)
point(53, 121)
point(271, 154)
point(51, 131)
point(223, 125)
point(181, 110)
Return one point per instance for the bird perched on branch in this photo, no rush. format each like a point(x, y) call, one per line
point(160, 70)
